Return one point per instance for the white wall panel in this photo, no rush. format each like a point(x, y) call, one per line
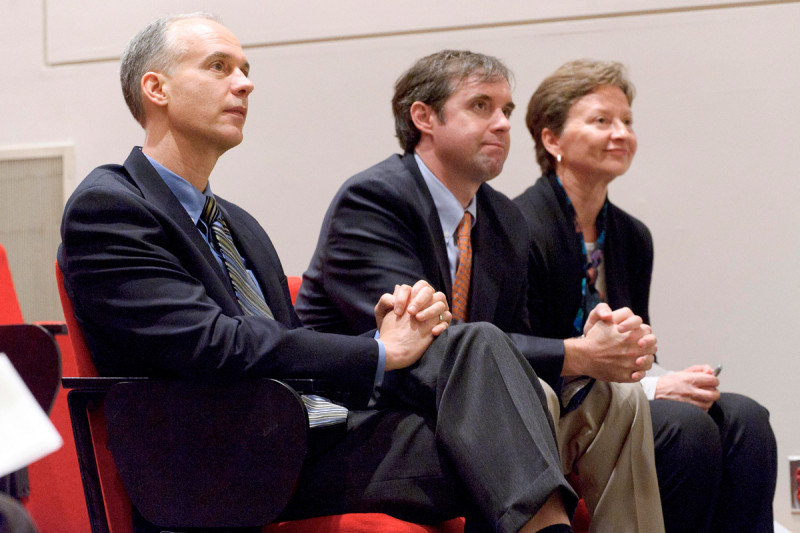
point(716, 113)
point(88, 30)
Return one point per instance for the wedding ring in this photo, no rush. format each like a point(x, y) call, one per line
point(440, 318)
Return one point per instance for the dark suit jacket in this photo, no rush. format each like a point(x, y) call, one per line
point(152, 299)
point(382, 229)
point(554, 279)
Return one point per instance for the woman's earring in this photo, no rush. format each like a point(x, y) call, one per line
point(558, 158)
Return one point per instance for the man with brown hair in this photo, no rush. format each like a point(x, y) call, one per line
point(430, 214)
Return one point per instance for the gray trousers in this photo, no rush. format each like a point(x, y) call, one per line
point(464, 432)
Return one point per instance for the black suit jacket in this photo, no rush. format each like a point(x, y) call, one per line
point(554, 279)
point(152, 300)
point(382, 229)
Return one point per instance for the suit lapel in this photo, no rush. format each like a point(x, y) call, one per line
point(156, 191)
point(439, 263)
point(487, 262)
point(259, 260)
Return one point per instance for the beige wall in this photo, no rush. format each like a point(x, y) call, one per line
point(716, 114)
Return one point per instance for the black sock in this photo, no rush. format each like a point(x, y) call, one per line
point(557, 528)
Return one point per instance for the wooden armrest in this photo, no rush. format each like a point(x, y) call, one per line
point(202, 454)
point(302, 386)
point(308, 386)
point(56, 328)
point(95, 383)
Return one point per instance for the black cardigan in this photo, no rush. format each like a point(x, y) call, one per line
point(556, 260)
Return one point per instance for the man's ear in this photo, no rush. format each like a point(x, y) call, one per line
point(422, 115)
point(551, 142)
point(153, 88)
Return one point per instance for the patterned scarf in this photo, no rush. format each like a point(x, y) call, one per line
point(590, 296)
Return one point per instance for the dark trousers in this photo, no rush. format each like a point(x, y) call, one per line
point(464, 432)
point(716, 470)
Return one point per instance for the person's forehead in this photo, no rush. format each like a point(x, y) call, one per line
point(602, 95)
point(199, 31)
point(476, 84)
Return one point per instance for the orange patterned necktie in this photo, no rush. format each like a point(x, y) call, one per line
point(461, 284)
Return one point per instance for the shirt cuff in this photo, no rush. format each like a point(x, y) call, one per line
point(381, 362)
point(649, 386)
point(650, 381)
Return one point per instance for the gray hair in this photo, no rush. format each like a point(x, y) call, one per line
point(432, 80)
point(149, 50)
point(552, 100)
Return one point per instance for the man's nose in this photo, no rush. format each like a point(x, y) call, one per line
point(242, 83)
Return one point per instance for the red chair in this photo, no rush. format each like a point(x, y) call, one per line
point(55, 501)
point(106, 410)
point(163, 472)
point(10, 312)
point(294, 286)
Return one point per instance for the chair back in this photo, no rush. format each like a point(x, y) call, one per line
point(55, 499)
point(10, 311)
point(32, 350)
point(129, 420)
point(83, 358)
point(294, 286)
point(109, 504)
point(233, 481)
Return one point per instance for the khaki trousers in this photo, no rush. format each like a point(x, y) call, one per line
point(608, 442)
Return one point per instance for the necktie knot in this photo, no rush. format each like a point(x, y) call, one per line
point(210, 212)
point(463, 231)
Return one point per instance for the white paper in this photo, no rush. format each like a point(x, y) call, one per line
point(26, 433)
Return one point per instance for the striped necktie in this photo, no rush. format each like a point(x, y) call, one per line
point(321, 411)
point(464, 271)
point(250, 299)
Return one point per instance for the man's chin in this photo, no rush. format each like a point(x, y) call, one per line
point(493, 168)
point(231, 142)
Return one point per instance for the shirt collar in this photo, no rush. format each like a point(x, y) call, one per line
point(187, 194)
point(447, 205)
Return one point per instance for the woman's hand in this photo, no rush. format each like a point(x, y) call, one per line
point(696, 385)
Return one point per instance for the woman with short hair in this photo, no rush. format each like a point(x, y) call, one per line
point(716, 455)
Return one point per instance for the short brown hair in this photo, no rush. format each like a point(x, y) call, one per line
point(432, 80)
point(552, 100)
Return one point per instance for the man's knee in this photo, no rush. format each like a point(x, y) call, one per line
point(477, 331)
point(623, 404)
point(630, 396)
point(746, 428)
point(745, 414)
point(479, 342)
point(632, 393)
